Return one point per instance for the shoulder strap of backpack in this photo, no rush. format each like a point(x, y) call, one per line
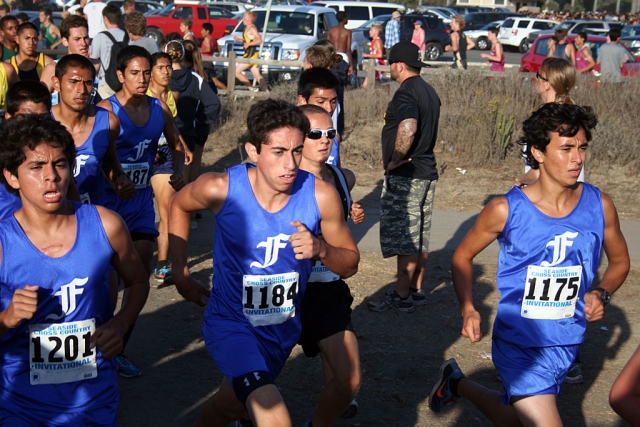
point(108, 34)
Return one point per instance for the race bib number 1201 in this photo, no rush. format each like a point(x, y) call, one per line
point(551, 292)
point(61, 352)
point(269, 300)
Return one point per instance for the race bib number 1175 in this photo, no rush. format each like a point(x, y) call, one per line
point(551, 292)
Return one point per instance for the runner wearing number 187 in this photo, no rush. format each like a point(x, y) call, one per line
point(268, 218)
point(551, 234)
point(142, 120)
point(58, 335)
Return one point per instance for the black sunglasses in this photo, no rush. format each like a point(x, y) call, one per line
point(318, 133)
point(538, 76)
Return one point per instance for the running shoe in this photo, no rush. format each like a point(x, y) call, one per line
point(351, 411)
point(392, 301)
point(161, 274)
point(574, 376)
point(126, 368)
point(441, 395)
point(417, 296)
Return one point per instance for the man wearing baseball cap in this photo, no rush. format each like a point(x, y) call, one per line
point(408, 137)
point(392, 31)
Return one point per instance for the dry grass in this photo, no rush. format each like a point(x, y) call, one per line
point(475, 118)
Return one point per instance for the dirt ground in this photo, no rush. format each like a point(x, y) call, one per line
point(400, 353)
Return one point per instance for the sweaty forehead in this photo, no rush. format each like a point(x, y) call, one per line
point(323, 93)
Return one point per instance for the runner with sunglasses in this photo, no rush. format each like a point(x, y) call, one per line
point(319, 86)
point(326, 307)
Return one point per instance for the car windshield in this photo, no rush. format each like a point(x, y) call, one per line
point(445, 12)
point(631, 31)
point(380, 20)
point(493, 24)
point(284, 22)
point(564, 25)
point(167, 10)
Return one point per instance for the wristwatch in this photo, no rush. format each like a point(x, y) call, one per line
point(605, 296)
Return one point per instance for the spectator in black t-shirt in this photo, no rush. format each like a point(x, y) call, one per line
point(408, 138)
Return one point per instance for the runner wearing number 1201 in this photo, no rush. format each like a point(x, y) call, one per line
point(58, 334)
point(268, 218)
point(142, 120)
point(551, 234)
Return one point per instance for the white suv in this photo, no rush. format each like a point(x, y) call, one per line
point(515, 31)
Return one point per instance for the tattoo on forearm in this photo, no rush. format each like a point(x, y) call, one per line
point(404, 138)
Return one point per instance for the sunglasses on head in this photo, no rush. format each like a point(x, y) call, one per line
point(318, 133)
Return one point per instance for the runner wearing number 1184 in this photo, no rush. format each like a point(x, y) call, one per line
point(268, 218)
point(550, 234)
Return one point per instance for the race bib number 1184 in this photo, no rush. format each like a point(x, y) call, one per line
point(269, 300)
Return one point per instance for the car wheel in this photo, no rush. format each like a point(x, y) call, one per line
point(433, 51)
point(524, 46)
point(483, 44)
point(154, 33)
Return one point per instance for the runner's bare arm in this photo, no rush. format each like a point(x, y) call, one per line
point(47, 72)
point(111, 166)
point(488, 226)
point(337, 250)
point(207, 192)
point(127, 263)
point(615, 246)
point(180, 153)
point(12, 76)
point(355, 212)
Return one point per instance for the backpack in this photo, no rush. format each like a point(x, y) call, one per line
point(110, 75)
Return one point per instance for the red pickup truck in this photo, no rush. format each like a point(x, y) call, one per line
point(168, 20)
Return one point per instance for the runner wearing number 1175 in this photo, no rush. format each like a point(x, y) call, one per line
point(142, 120)
point(550, 234)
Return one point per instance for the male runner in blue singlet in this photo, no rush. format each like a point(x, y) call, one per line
point(551, 234)
point(142, 120)
point(94, 131)
point(58, 335)
point(267, 221)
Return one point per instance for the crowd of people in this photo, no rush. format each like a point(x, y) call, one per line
point(83, 154)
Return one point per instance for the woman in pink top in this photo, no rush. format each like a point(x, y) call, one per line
point(418, 37)
point(584, 62)
point(496, 55)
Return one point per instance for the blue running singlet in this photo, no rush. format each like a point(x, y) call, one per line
point(9, 203)
point(89, 159)
point(47, 363)
point(545, 267)
point(136, 147)
point(257, 280)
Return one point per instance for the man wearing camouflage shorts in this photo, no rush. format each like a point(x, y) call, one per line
point(408, 137)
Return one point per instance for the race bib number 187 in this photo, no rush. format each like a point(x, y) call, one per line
point(61, 352)
point(138, 173)
point(551, 292)
point(269, 300)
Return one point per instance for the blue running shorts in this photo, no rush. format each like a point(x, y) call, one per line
point(137, 213)
point(237, 350)
point(531, 371)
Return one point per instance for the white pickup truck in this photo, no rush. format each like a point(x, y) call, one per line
point(290, 31)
